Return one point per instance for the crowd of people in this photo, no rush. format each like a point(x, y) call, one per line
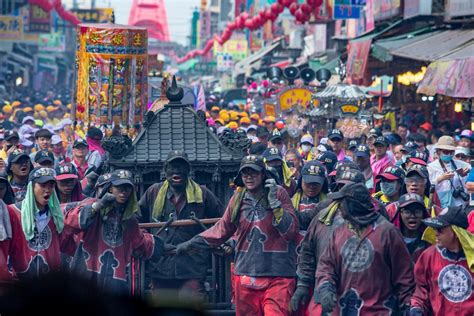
point(381, 224)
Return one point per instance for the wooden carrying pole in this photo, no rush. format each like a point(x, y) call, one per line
point(181, 222)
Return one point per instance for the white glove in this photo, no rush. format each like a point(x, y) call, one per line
point(271, 185)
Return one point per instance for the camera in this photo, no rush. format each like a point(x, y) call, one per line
point(460, 193)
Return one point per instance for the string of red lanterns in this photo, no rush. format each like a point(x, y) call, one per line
point(301, 12)
point(48, 5)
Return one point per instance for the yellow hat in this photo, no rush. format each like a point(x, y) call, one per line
point(260, 122)
point(28, 109)
point(223, 112)
point(7, 109)
point(43, 114)
point(215, 108)
point(233, 125)
point(51, 108)
point(220, 121)
point(234, 116)
point(225, 117)
point(255, 117)
point(243, 114)
point(38, 107)
point(269, 119)
point(245, 120)
point(69, 106)
point(57, 102)
point(15, 104)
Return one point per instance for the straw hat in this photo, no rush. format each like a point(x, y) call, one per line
point(446, 143)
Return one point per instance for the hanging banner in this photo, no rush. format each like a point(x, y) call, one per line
point(95, 15)
point(39, 20)
point(386, 9)
point(454, 8)
point(358, 55)
point(54, 42)
point(237, 48)
point(11, 27)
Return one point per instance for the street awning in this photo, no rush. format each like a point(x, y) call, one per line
point(451, 75)
point(382, 49)
point(246, 64)
point(436, 46)
point(330, 64)
point(187, 65)
point(282, 64)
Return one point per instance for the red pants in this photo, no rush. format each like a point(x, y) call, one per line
point(269, 296)
point(314, 309)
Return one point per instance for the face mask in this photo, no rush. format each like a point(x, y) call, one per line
point(388, 188)
point(305, 148)
point(446, 158)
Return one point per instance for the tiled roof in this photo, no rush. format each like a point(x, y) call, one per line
point(177, 127)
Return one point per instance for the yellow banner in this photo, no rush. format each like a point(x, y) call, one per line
point(11, 27)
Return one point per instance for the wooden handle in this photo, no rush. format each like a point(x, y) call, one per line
point(181, 222)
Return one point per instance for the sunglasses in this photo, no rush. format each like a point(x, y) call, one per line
point(416, 213)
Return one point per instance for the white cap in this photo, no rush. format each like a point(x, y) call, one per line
point(461, 150)
point(322, 148)
point(56, 139)
point(27, 118)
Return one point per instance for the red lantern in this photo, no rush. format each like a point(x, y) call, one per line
point(306, 8)
point(248, 23)
point(257, 21)
point(300, 16)
point(268, 14)
point(261, 14)
point(286, 3)
point(274, 16)
point(232, 26)
point(277, 8)
point(293, 8)
point(317, 3)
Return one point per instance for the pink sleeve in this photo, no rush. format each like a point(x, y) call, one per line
point(470, 219)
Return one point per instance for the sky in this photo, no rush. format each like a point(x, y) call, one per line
point(179, 14)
